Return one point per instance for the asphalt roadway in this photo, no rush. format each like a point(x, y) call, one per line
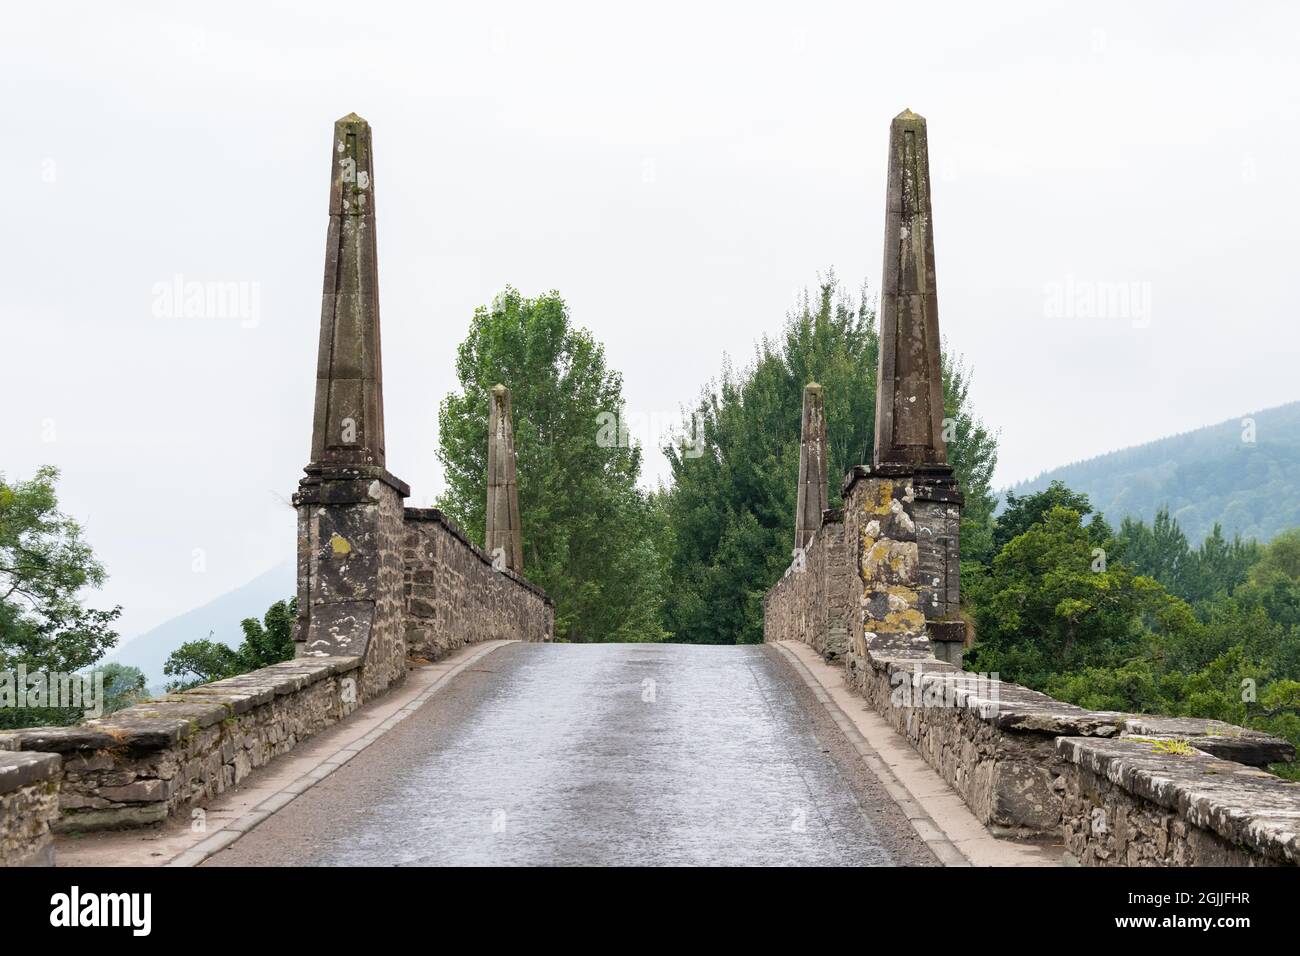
point(601, 754)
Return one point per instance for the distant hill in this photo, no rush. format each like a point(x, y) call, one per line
point(1203, 476)
point(219, 617)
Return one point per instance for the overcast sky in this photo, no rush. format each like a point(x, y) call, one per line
point(1115, 207)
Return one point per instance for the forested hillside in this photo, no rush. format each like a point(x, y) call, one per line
point(1212, 475)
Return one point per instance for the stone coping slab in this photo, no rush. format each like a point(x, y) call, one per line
point(1245, 806)
point(165, 722)
point(1005, 705)
point(347, 482)
point(930, 482)
point(23, 769)
point(1013, 707)
point(1216, 737)
point(436, 516)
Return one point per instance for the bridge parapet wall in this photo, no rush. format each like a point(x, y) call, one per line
point(812, 602)
point(455, 596)
point(1118, 789)
point(387, 581)
point(146, 762)
point(29, 803)
point(1130, 802)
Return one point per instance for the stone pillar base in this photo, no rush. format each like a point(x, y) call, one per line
point(902, 530)
point(351, 575)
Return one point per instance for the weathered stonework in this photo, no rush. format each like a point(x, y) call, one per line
point(350, 531)
point(505, 539)
point(1002, 747)
point(902, 528)
point(29, 803)
point(909, 388)
point(454, 596)
point(994, 742)
point(1126, 803)
point(351, 576)
point(815, 600)
point(146, 762)
point(348, 427)
point(810, 501)
point(1216, 738)
point(906, 513)
point(1013, 753)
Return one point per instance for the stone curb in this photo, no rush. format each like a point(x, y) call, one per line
point(924, 824)
point(232, 831)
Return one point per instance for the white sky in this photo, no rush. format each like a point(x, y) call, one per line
point(677, 171)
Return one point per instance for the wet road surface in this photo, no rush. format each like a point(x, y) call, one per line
point(606, 754)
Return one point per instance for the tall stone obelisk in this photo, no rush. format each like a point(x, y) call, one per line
point(905, 510)
point(811, 501)
point(504, 535)
point(909, 385)
point(350, 572)
point(349, 421)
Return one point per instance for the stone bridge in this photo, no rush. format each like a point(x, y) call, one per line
point(428, 717)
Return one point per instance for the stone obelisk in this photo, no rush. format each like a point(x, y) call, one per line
point(504, 536)
point(905, 510)
point(812, 495)
point(350, 573)
point(349, 420)
point(909, 386)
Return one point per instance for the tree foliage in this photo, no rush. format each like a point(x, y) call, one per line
point(1157, 627)
point(731, 507)
point(590, 536)
point(266, 642)
point(45, 568)
point(124, 685)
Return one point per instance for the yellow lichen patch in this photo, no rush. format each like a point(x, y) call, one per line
point(340, 545)
point(881, 500)
point(889, 560)
point(904, 615)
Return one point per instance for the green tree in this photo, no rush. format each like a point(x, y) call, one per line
point(1109, 636)
point(123, 686)
point(1159, 551)
point(589, 533)
point(1051, 604)
point(45, 567)
point(732, 499)
point(1022, 512)
point(266, 642)
point(1280, 557)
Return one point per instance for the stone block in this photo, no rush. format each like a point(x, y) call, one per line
point(141, 791)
